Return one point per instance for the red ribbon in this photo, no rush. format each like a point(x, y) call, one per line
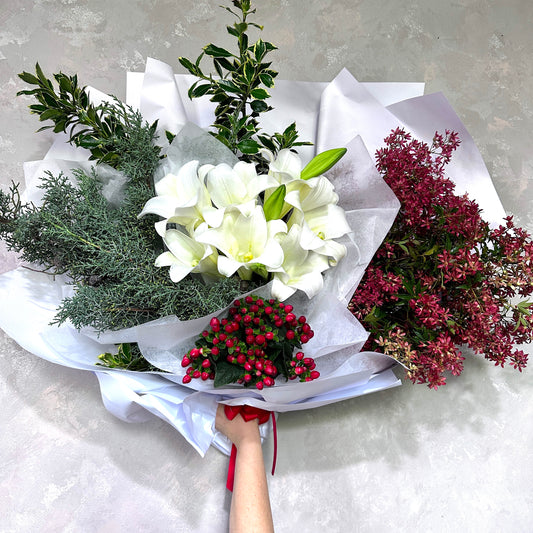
point(248, 413)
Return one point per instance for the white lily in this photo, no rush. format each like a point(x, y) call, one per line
point(247, 242)
point(307, 195)
point(320, 226)
point(284, 168)
point(302, 269)
point(182, 199)
point(185, 255)
point(238, 186)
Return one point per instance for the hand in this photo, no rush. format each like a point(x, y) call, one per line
point(237, 430)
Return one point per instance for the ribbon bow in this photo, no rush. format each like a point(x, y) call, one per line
point(248, 413)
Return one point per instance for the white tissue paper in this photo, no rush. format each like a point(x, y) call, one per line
point(343, 113)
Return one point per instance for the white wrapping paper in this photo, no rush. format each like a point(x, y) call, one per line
point(341, 113)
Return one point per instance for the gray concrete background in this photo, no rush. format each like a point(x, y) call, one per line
point(409, 459)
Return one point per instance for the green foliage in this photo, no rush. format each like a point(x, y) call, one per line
point(99, 129)
point(240, 90)
point(128, 357)
point(106, 250)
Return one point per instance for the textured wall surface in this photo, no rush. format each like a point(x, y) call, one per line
point(408, 459)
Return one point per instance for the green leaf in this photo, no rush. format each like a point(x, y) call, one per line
point(259, 106)
point(200, 90)
point(259, 94)
point(50, 114)
point(259, 50)
point(248, 147)
point(225, 63)
point(29, 78)
point(215, 51)
point(170, 136)
point(228, 86)
point(226, 373)
point(232, 31)
point(266, 80)
point(322, 163)
point(64, 83)
point(41, 76)
point(249, 72)
point(188, 65)
point(274, 204)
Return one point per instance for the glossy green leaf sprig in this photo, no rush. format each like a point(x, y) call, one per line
point(240, 89)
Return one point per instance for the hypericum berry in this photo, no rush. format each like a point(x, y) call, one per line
point(315, 374)
point(186, 378)
point(247, 332)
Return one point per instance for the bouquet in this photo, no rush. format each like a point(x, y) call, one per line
point(159, 262)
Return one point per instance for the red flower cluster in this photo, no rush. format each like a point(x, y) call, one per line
point(443, 278)
point(252, 346)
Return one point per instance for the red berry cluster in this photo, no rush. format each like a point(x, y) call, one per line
point(259, 339)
